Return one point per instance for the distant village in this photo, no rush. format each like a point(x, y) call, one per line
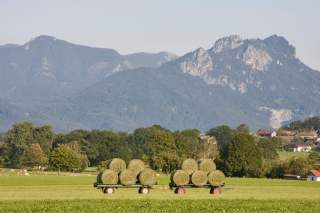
point(293, 141)
point(296, 141)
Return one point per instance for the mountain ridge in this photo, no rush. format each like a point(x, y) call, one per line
point(260, 82)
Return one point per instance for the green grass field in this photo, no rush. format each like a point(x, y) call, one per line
point(284, 155)
point(76, 194)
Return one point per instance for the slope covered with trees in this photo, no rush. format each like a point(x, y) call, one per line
point(236, 151)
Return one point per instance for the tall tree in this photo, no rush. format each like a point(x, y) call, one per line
point(18, 139)
point(162, 153)
point(243, 156)
point(63, 158)
point(44, 136)
point(223, 135)
point(268, 148)
point(298, 166)
point(34, 156)
point(187, 143)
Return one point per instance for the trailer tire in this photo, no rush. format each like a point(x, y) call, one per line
point(144, 190)
point(180, 190)
point(108, 190)
point(215, 190)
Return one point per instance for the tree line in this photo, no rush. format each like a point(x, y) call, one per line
point(236, 151)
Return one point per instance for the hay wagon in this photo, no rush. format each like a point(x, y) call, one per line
point(215, 190)
point(119, 176)
point(110, 188)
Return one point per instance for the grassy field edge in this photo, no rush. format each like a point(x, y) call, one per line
point(208, 205)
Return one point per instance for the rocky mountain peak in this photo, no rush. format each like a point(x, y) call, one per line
point(39, 41)
point(280, 45)
point(43, 38)
point(196, 63)
point(227, 43)
point(258, 59)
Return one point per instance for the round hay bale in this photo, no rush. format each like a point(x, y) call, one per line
point(216, 178)
point(207, 165)
point(108, 176)
point(128, 177)
point(136, 166)
point(118, 165)
point(189, 165)
point(148, 177)
point(199, 178)
point(180, 178)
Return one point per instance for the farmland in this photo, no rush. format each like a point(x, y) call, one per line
point(74, 193)
point(284, 155)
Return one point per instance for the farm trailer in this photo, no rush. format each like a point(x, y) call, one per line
point(110, 188)
point(215, 190)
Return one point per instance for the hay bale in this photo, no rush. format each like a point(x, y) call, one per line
point(180, 178)
point(136, 166)
point(199, 178)
point(108, 176)
point(148, 177)
point(189, 165)
point(216, 178)
point(207, 165)
point(128, 177)
point(118, 165)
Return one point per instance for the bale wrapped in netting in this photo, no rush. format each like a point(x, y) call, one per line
point(216, 178)
point(180, 178)
point(128, 177)
point(189, 165)
point(147, 177)
point(199, 178)
point(118, 165)
point(136, 166)
point(108, 177)
point(207, 165)
point(99, 177)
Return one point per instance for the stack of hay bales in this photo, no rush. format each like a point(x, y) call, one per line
point(180, 178)
point(136, 166)
point(216, 178)
point(118, 173)
point(118, 165)
point(127, 177)
point(147, 177)
point(189, 165)
point(198, 174)
point(108, 177)
point(207, 165)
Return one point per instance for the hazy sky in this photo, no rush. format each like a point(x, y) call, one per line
point(177, 26)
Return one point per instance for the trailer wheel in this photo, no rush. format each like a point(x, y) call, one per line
point(180, 190)
point(215, 190)
point(108, 190)
point(144, 190)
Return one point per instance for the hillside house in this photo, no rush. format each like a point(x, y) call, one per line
point(298, 147)
point(286, 133)
point(314, 175)
point(267, 133)
point(308, 135)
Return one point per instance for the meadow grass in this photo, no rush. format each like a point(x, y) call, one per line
point(120, 206)
point(284, 155)
point(76, 194)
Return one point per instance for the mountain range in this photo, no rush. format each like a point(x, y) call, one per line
point(260, 82)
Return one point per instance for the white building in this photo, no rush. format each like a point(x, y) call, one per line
point(314, 175)
point(301, 148)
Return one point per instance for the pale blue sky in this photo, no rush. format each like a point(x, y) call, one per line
point(177, 26)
